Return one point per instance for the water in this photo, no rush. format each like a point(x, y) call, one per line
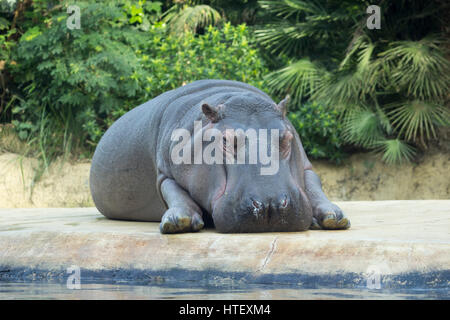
point(194, 291)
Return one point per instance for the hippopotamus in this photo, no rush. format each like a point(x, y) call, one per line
point(134, 175)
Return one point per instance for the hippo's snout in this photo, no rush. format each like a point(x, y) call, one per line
point(279, 212)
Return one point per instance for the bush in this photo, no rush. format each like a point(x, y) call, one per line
point(319, 131)
point(68, 77)
point(7, 45)
point(218, 54)
point(75, 83)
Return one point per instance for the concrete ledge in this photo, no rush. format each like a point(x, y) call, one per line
point(406, 242)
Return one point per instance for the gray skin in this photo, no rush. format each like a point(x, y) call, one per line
point(133, 177)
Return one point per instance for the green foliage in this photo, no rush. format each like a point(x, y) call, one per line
point(389, 85)
point(196, 15)
point(319, 130)
point(217, 54)
point(191, 18)
point(314, 28)
point(142, 12)
point(7, 45)
point(393, 92)
point(73, 78)
point(418, 68)
point(395, 151)
point(299, 78)
point(75, 83)
point(362, 127)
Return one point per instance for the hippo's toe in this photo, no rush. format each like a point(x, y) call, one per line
point(178, 220)
point(329, 216)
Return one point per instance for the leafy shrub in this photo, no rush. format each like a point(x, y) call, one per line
point(75, 83)
point(218, 54)
point(7, 45)
point(68, 77)
point(319, 131)
point(142, 13)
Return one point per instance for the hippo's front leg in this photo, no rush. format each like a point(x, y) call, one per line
point(183, 214)
point(326, 215)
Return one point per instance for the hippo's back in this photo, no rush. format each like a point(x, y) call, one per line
point(123, 176)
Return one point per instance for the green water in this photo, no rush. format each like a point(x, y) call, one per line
point(46, 290)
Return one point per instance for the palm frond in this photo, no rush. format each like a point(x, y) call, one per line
point(342, 88)
point(383, 118)
point(190, 18)
point(365, 56)
point(299, 79)
point(297, 26)
point(281, 38)
point(361, 58)
point(357, 43)
point(395, 151)
point(289, 8)
point(362, 126)
point(417, 119)
point(418, 67)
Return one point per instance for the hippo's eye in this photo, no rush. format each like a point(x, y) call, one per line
point(224, 144)
point(227, 148)
point(285, 143)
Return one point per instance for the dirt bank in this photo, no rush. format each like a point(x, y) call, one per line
point(366, 177)
point(65, 184)
point(361, 177)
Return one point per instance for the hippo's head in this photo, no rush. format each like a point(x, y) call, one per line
point(259, 195)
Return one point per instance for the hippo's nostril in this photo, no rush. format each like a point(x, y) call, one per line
point(257, 205)
point(257, 209)
point(284, 202)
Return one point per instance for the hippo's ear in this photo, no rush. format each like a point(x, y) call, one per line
point(282, 106)
point(213, 113)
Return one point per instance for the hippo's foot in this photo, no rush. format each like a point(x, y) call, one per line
point(179, 219)
point(329, 216)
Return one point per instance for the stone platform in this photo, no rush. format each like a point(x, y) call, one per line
point(404, 243)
